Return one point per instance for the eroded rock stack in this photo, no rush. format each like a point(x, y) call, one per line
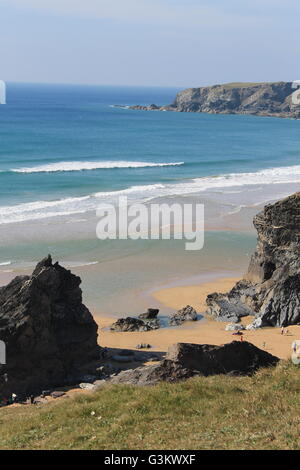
point(271, 289)
point(49, 333)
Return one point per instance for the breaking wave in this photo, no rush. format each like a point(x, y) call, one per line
point(84, 166)
point(78, 205)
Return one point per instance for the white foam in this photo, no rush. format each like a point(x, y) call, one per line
point(132, 190)
point(83, 166)
point(5, 263)
point(69, 206)
point(78, 264)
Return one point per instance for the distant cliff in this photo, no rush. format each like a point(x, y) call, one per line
point(262, 99)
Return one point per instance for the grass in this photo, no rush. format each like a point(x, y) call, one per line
point(220, 412)
point(243, 84)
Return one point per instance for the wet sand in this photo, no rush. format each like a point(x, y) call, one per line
point(205, 331)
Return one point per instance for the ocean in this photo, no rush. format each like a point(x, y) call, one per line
point(64, 149)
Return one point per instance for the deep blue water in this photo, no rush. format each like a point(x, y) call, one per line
point(48, 124)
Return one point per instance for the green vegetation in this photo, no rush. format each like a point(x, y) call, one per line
point(243, 84)
point(220, 412)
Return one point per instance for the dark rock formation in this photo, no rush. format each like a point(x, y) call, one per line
point(150, 314)
point(151, 107)
point(134, 324)
point(187, 313)
point(48, 332)
point(167, 371)
point(263, 99)
point(241, 358)
point(228, 308)
point(186, 360)
point(271, 288)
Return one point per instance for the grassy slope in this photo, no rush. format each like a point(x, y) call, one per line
point(262, 412)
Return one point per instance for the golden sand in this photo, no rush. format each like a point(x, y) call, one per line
point(206, 331)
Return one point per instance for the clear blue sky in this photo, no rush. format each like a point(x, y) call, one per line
point(149, 42)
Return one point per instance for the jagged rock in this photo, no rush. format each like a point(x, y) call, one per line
point(234, 327)
point(185, 360)
point(262, 99)
point(239, 357)
point(187, 313)
point(138, 107)
point(135, 324)
point(167, 371)
point(49, 333)
point(271, 288)
point(228, 309)
point(150, 314)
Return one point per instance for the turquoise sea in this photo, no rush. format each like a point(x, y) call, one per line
point(64, 149)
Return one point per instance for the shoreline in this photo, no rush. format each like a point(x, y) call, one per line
point(204, 331)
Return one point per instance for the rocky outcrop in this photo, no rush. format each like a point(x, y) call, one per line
point(185, 360)
point(229, 308)
point(49, 333)
point(135, 324)
point(150, 107)
point(271, 288)
point(165, 371)
point(187, 313)
point(263, 99)
point(240, 358)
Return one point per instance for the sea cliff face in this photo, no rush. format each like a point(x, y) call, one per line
point(270, 290)
point(262, 99)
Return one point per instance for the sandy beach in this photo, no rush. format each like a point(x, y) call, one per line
point(205, 331)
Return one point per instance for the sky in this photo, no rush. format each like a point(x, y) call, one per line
point(180, 43)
